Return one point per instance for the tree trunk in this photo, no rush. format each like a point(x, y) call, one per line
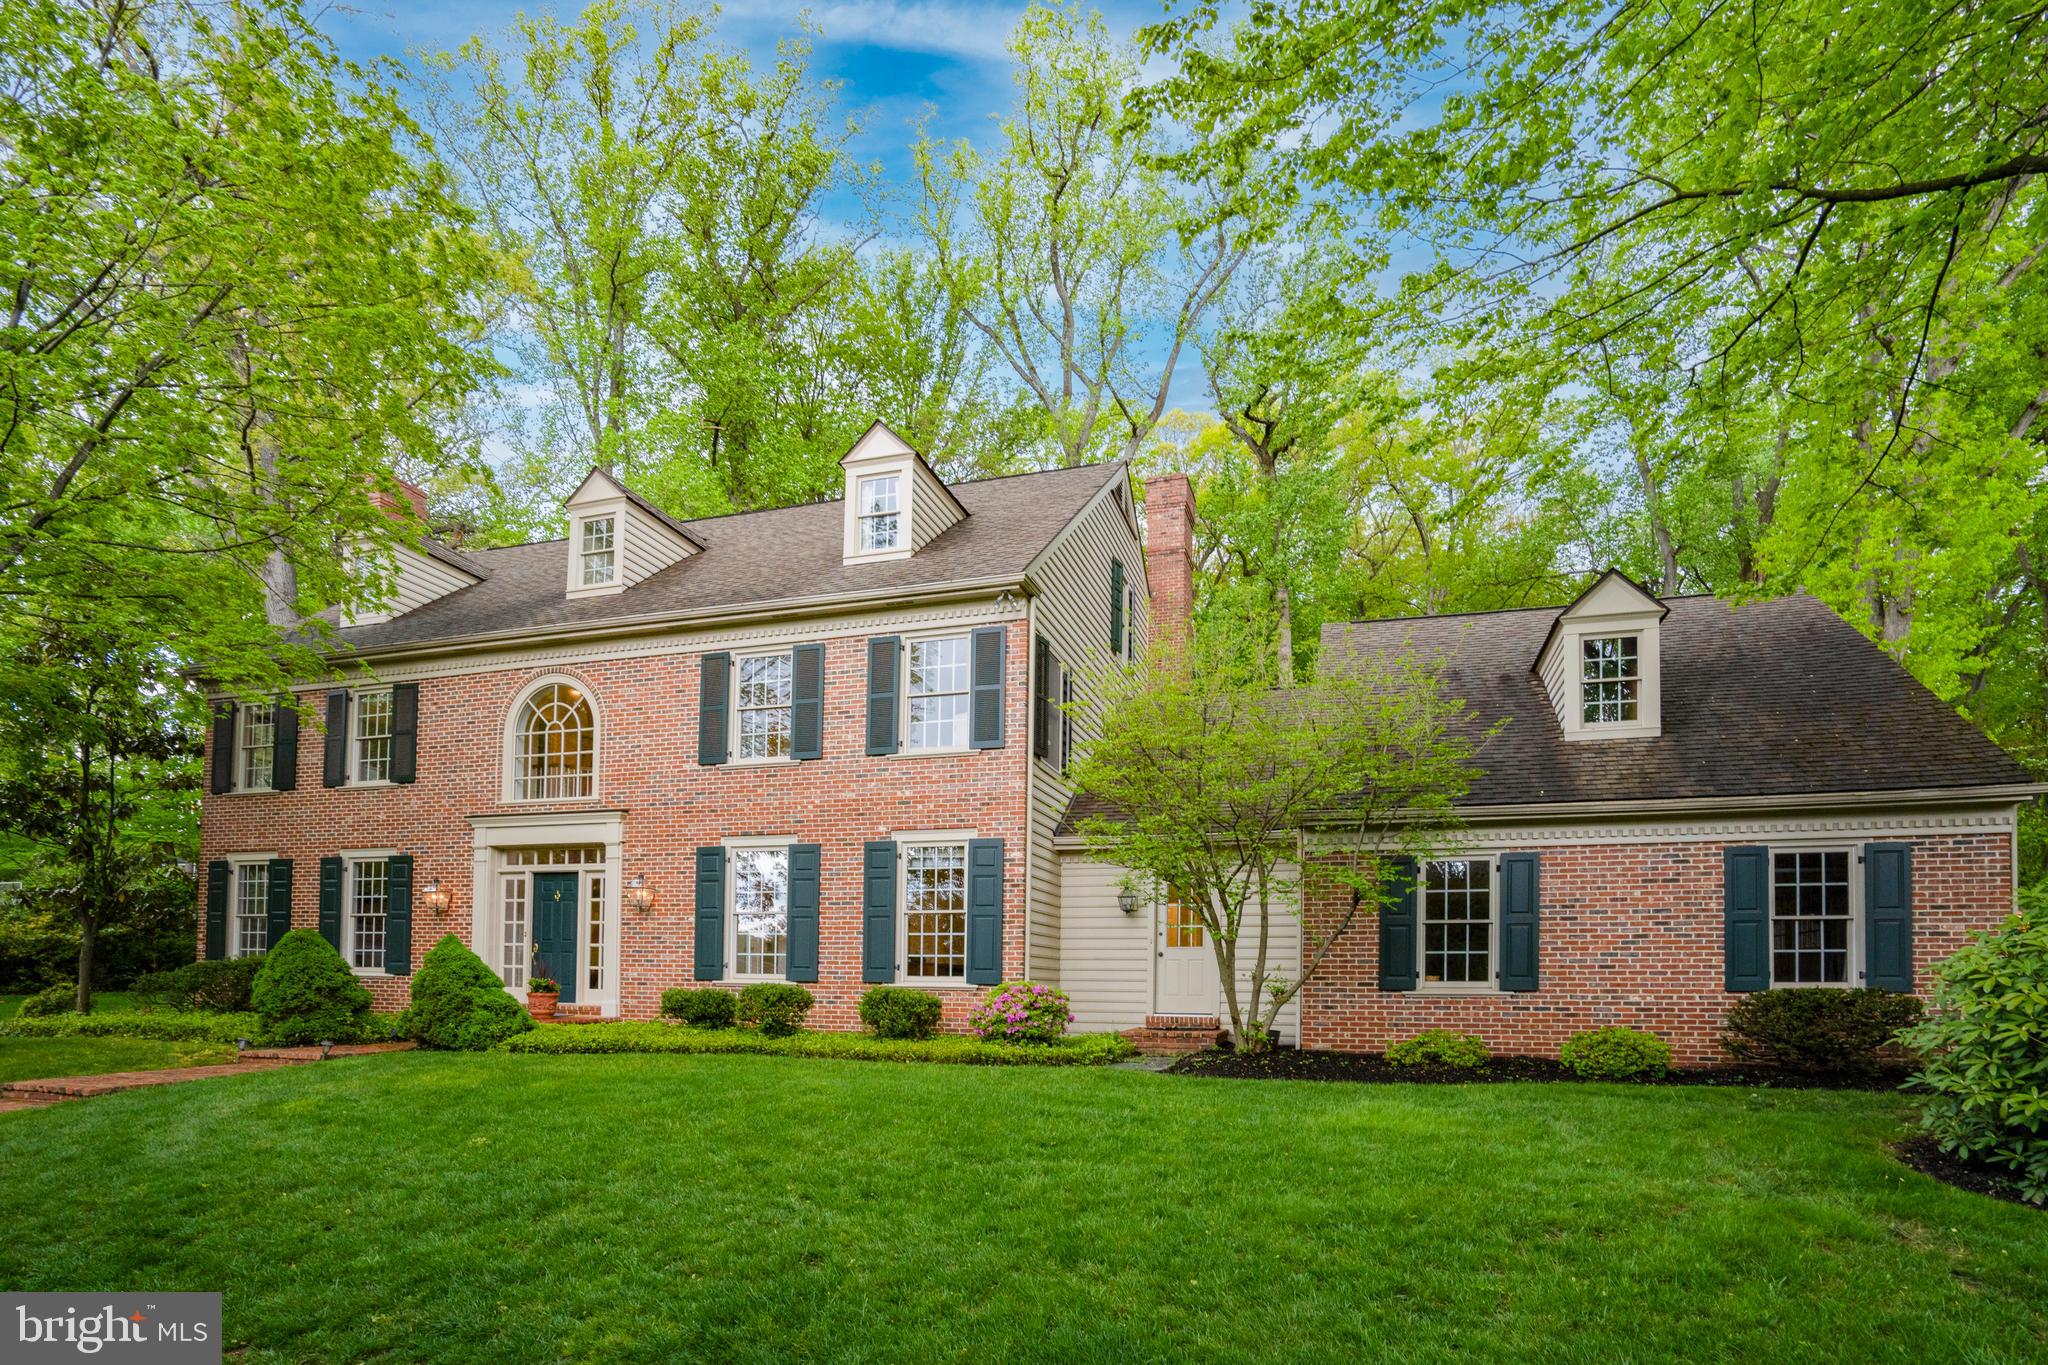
point(89, 928)
point(1286, 633)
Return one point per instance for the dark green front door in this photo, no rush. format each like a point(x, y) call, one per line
point(554, 928)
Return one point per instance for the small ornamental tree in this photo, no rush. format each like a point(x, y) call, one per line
point(305, 993)
point(1209, 777)
point(459, 1003)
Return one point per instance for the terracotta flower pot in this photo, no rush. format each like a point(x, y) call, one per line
point(541, 1004)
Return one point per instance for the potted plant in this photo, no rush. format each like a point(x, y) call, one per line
point(541, 994)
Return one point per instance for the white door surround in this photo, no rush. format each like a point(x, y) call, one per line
point(494, 866)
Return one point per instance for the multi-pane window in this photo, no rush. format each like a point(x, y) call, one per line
point(1457, 921)
point(1066, 723)
point(760, 911)
point(512, 963)
point(252, 909)
point(1609, 679)
point(556, 746)
point(594, 883)
point(598, 551)
point(1810, 919)
point(259, 746)
point(881, 517)
point(369, 898)
point(938, 693)
point(764, 695)
point(1183, 921)
point(373, 737)
point(935, 912)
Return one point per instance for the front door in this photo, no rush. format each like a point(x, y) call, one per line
point(554, 928)
point(1187, 982)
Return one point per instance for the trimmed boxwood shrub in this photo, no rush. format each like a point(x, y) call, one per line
point(1085, 1049)
point(1984, 1054)
point(305, 993)
point(458, 1003)
point(700, 1007)
point(209, 984)
point(899, 1012)
point(1440, 1047)
point(1818, 1029)
point(1610, 1054)
point(776, 1008)
point(50, 1000)
point(1023, 1012)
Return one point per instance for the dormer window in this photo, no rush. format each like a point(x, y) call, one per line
point(1610, 679)
point(599, 552)
point(881, 520)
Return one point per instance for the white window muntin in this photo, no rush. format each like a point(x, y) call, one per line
point(514, 938)
point(757, 903)
point(369, 748)
point(1610, 679)
point(551, 743)
point(763, 696)
point(256, 747)
point(937, 692)
point(1457, 913)
point(249, 907)
point(597, 551)
point(881, 513)
point(931, 933)
point(1815, 910)
point(365, 910)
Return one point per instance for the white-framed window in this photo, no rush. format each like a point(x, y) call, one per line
point(368, 901)
point(1066, 755)
point(1457, 904)
point(935, 912)
point(936, 695)
point(881, 516)
point(1610, 678)
point(597, 551)
point(759, 886)
point(249, 929)
point(1812, 918)
point(256, 769)
point(554, 745)
point(370, 746)
point(514, 939)
point(1130, 623)
point(761, 713)
point(594, 893)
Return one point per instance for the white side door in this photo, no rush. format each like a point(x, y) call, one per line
point(1186, 981)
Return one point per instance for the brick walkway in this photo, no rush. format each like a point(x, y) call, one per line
point(36, 1094)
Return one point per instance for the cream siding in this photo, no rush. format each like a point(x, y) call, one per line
point(1105, 956)
point(1071, 611)
point(1555, 683)
point(649, 546)
point(932, 508)
point(420, 579)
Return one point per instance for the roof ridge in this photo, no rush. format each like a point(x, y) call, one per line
point(1511, 611)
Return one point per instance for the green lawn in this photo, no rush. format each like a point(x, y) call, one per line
point(496, 1208)
point(10, 1005)
point(23, 1059)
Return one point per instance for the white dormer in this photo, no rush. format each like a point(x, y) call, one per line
point(895, 504)
point(617, 537)
point(1603, 662)
point(422, 571)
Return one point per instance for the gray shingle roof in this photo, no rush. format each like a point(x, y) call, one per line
point(754, 558)
point(1776, 698)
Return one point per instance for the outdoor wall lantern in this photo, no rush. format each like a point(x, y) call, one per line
point(432, 896)
point(1127, 900)
point(639, 894)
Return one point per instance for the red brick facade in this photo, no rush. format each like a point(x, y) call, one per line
point(647, 767)
point(1631, 934)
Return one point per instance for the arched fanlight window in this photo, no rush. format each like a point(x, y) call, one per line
point(555, 746)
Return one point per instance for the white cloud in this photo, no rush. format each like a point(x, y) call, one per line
point(966, 32)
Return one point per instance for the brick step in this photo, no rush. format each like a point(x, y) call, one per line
point(313, 1053)
point(1168, 1035)
point(582, 1014)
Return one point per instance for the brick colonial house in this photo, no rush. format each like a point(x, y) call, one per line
point(820, 744)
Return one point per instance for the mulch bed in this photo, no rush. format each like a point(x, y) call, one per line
point(1924, 1155)
point(1292, 1064)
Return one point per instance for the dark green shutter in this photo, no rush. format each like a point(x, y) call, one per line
point(1518, 921)
point(714, 695)
point(884, 656)
point(985, 714)
point(1041, 699)
point(284, 765)
point(878, 911)
point(334, 768)
point(1888, 916)
point(807, 704)
point(217, 874)
point(1397, 926)
point(984, 911)
point(223, 747)
point(804, 861)
point(330, 900)
point(405, 731)
point(398, 915)
point(711, 913)
point(280, 901)
point(1745, 927)
point(1116, 606)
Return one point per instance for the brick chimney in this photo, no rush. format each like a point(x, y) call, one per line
point(414, 494)
point(1170, 555)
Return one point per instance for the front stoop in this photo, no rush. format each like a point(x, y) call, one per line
point(1166, 1035)
point(582, 1014)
